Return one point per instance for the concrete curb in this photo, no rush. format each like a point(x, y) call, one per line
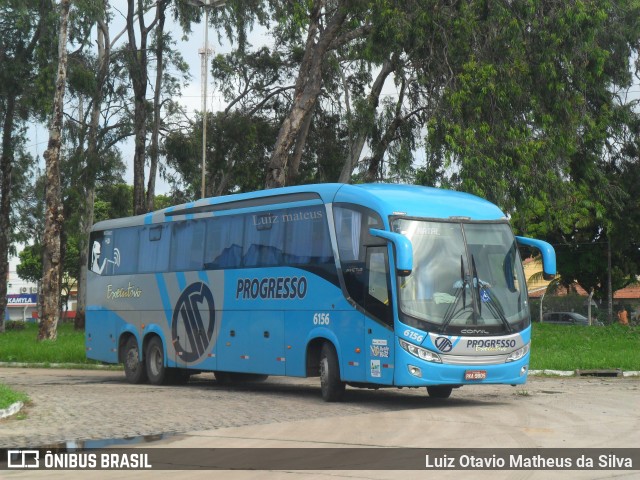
point(553, 373)
point(572, 373)
point(11, 410)
point(77, 366)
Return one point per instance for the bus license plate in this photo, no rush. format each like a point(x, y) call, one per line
point(475, 374)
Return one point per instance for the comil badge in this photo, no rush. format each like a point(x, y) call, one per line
point(193, 322)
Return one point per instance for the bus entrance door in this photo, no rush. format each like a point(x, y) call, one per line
point(379, 333)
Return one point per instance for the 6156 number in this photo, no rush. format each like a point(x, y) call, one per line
point(321, 319)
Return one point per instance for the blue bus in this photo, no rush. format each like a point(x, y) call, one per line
point(364, 285)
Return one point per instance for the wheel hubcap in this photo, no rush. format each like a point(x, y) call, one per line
point(156, 363)
point(132, 359)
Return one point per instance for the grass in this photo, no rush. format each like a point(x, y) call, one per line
point(8, 397)
point(573, 347)
point(20, 345)
point(554, 347)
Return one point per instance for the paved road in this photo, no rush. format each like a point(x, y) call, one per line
point(73, 405)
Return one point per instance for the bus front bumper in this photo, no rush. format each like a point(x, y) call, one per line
point(414, 372)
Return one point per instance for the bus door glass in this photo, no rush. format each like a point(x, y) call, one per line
point(379, 334)
point(365, 271)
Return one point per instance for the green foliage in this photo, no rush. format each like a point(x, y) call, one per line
point(8, 396)
point(568, 347)
point(237, 146)
point(523, 103)
point(113, 201)
point(557, 347)
point(30, 266)
point(22, 346)
point(531, 120)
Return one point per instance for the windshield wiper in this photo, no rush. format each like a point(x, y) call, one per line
point(494, 306)
point(464, 284)
point(476, 280)
point(461, 291)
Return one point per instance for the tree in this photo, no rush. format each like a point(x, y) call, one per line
point(324, 22)
point(24, 40)
point(138, 48)
point(532, 117)
point(52, 264)
point(95, 80)
point(236, 154)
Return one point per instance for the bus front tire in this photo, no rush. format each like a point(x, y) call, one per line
point(134, 369)
point(154, 359)
point(440, 391)
point(330, 384)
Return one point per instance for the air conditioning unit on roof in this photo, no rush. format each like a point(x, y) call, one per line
point(23, 289)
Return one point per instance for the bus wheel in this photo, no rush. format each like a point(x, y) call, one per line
point(155, 362)
point(330, 384)
point(439, 391)
point(134, 369)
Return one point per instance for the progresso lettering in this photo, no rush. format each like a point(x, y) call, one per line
point(491, 345)
point(285, 288)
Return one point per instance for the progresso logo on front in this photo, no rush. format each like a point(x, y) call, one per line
point(282, 288)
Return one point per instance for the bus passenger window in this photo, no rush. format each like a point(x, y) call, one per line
point(264, 240)
point(223, 248)
point(187, 245)
point(307, 240)
point(154, 249)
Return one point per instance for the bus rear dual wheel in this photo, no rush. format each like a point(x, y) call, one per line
point(152, 367)
point(134, 369)
point(157, 372)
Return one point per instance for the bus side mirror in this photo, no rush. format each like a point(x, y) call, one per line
point(548, 255)
point(404, 250)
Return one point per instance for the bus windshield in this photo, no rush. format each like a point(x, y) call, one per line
point(467, 277)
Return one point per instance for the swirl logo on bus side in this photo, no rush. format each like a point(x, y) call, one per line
point(443, 344)
point(193, 322)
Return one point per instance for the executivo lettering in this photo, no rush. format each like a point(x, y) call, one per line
point(130, 291)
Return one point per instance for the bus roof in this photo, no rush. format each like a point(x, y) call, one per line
point(386, 199)
point(419, 201)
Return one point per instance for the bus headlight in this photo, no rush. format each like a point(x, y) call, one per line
point(518, 354)
point(421, 353)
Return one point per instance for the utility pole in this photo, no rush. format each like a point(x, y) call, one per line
point(205, 52)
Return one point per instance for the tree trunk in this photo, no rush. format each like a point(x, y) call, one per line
point(6, 166)
point(301, 141)
point(374, 168)
point(359, 138)
point(104, 55)
point(53, 205)
point(308, 88)
point(138, 75)
point(155, 134)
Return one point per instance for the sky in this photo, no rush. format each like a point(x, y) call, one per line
point(38, 134)
point(191, 92)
